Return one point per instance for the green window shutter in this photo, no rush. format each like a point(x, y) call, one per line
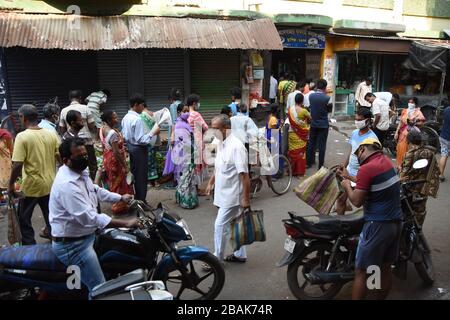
point(214, 73)
point(378, 4)
point(427, 8)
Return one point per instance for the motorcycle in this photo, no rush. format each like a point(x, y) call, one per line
point(155, 248)
point(320, 249)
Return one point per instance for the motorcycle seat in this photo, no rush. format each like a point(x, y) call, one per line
point(39, 257)
point(118, 284)
point(350, 224)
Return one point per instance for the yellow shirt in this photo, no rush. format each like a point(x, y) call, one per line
point(37, 150)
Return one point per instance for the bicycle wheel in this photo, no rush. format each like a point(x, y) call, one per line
point(280, 183)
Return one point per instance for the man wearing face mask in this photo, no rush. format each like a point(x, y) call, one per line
point(350, 168)
point(75, 121)
point(73, 213)
point(137, 143)
point(231, 185)
point(51, 117)
point(35, 154)
point(378, 189)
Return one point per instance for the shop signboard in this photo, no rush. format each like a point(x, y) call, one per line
point(297, 38)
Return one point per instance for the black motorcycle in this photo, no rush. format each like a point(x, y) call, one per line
point(30, 272)
point(320, 250)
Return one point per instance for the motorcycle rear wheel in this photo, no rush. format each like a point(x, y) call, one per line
point(178, 287)
point(425, 268)
point(313, 257)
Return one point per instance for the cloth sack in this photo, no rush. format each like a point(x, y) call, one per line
point(320, 191)
point(247, 228)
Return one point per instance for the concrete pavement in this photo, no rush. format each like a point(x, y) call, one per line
point(260, 279)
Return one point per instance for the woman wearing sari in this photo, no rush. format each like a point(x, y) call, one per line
point(183, 158)
point(409, 116)
point(299, 120)
point(199, 126)
point(284, 88)
point(114, 159)
point(149, 123)
point(6, 150)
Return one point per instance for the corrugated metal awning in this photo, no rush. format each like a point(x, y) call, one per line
point(53, 31)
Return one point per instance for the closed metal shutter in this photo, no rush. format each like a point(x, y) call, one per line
point(163, 70)
point(36, 76)
point(214, 73)
point(112, 75)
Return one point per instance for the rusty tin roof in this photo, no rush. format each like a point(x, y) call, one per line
point(69, 32)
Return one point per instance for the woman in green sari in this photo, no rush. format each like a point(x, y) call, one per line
point(149, 121)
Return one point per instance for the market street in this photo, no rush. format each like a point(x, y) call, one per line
point(259, 278)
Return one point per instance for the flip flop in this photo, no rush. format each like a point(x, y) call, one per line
point(233, 258)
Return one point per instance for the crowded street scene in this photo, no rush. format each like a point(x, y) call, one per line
point(238, 150)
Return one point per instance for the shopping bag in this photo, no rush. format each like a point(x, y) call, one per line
point(320, 191)
point(247, 228)
point(14, 234)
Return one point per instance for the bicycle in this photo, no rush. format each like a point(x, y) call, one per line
point(280, 181)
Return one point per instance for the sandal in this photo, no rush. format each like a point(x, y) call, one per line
point(442, 179)
point(233, 258)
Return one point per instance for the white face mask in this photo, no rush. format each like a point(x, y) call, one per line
point(411, 106)
point(360, 124)
point(198, 106)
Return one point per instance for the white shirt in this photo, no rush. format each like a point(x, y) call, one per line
point(273, 88)
point(291, 99)
point(306, 102)
point(231, 160)
point(73, 204)
point(386, 96)
point(381, 107)
point(361, 92)
point(243, 127)
point(133, 130)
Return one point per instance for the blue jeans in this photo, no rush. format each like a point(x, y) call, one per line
point(317, 140)
point(81, 253)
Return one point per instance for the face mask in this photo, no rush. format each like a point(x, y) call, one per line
point(360, 124)
point(198, 106)
point(79, 163)
point(411, 106)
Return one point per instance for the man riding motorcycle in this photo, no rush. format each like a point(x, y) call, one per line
point(73, 213)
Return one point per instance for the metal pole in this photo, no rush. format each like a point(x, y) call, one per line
point(441, 89)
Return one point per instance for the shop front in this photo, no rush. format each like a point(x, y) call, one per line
point(302, 54)
point(355, 58)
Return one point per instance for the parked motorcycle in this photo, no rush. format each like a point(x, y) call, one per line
point(155, 247)
point(320, 249)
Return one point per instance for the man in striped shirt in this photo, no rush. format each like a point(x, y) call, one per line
point(378, 189)
point(95, 103)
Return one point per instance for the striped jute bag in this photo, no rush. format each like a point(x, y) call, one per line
point(320, 191)
point(247, 228)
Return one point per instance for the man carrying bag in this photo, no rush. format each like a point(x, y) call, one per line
point(231, 185)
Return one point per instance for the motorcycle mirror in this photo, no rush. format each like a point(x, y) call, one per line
point(420, 164)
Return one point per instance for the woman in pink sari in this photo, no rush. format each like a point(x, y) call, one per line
point(199, 126)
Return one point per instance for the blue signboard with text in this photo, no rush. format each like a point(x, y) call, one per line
point(302, 39)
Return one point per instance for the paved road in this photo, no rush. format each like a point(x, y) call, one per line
point(260, 279)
